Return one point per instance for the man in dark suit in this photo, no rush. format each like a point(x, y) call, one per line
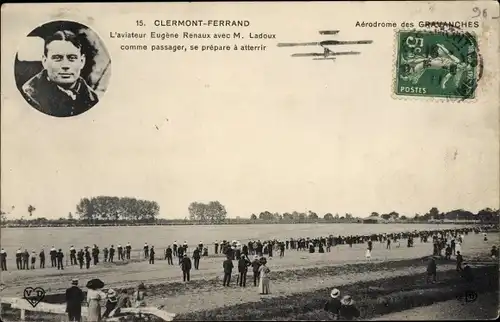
point(255, 267)
point(58, 90)
point(74, 299)
point(60, 256)
point(460, 260)
point(196, 258)
point(243, 264)
point(186, 267)
point(431, 270)
point(152, 255)
point(168, 255)
point(228, 269)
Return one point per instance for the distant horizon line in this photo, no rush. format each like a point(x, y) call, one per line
point(281, 213)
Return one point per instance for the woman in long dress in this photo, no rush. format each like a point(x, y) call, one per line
point(94, 298)
point(264, 278)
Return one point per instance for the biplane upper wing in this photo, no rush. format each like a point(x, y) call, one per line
point(328, 32)
point(329, 53)
point(293, 44)
point(325, 43)
point(344, 42)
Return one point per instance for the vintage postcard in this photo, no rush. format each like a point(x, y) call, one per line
point(250, 161)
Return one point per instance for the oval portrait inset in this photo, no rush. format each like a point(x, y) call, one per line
point(62, 68)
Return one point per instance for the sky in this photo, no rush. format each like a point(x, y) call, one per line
point(254, 130)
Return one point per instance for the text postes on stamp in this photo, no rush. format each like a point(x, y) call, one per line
point(436, 64)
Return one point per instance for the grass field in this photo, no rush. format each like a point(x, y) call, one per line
point(161, 236)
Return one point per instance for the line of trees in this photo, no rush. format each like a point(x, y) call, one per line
point(299, 217)
point(211, 213)
point(484, 215)
point(105, 208)
point(114, 210)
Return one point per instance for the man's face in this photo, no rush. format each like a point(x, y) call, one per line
point(63, 62)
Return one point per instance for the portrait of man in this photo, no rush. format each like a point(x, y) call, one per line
point(60, 88)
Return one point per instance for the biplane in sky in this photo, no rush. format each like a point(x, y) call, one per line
point(327, 53)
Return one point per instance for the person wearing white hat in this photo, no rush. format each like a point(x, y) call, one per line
point(74, 299)
point(110, 303)
point(333, 304)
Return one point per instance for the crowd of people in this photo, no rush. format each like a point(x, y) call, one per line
point(449, 240)
point(95, 298)
point(85, 257)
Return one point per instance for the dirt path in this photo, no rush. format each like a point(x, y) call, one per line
point(484, 308)
point(225, 296)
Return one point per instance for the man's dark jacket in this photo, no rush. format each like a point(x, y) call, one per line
point(228, 266)
point(74, 299)
point(186, 264)
point(49, 98)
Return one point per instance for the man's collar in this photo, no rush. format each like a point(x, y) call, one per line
point(75, 88)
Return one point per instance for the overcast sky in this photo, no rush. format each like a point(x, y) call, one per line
point(254, 130)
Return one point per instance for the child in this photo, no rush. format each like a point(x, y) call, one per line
point(368, 254)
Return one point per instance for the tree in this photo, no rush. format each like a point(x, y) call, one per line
point(216, 212)
point(348, 216)
point(3, 216)
point(266, 215)
point(385, 216)
point(253, 217)
point(488, 215)
point(434, 213)
point(213, 212)
point(197, 211)
point(403, 217)
point(287, 216)
point(337, 216)
point(394, 214)
point(70, 216)
point(312, 215)
point(374, 214)
point(113, 208)
point(31, 209)
point(328, 216)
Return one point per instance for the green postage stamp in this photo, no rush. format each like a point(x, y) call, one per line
point(436, 64)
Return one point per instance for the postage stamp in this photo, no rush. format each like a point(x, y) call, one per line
point(436, 64)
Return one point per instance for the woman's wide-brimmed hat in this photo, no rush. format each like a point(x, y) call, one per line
point(95, 284)
point(111, 293)
point(335, 293)
point(347, 300)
